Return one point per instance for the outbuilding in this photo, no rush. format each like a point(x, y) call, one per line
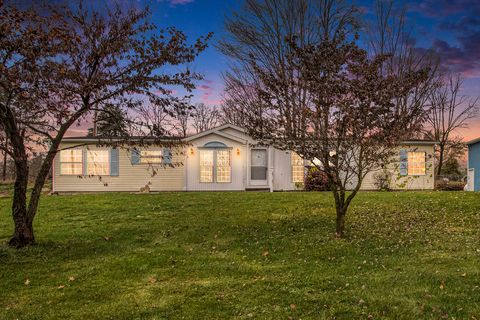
point(473, 174)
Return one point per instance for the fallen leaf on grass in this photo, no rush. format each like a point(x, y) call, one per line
point(152, 280)
point(27, 282)
point(293, 306)
point(265, 253)
point(442, 285)
point(71, 278)
point(106, 238)
point(61, 286)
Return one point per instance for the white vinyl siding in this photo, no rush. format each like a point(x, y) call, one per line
point(130, 178)
point(424, 181)
point(236, 172)
point(98, 162)
point(71, 162)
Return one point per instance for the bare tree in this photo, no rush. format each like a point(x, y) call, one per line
point(152, 120)
point(449, 111)
point(232, 113)
point(303, 87)
point(205, 117)
point(259, 33)
point(61, 65)
point(181, 120)
point(389, 33)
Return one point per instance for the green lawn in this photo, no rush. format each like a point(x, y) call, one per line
point(410, 255)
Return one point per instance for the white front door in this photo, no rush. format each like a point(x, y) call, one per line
point(470, 180)
point(258, 167)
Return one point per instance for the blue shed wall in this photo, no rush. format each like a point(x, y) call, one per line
point(474, 162)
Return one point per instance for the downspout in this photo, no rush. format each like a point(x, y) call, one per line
point(185, 171)
point(270, 171)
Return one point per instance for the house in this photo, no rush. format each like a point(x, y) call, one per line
point(473, 165)
point(220, 159)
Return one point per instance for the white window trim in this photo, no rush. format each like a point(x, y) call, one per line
point(152, 157)
point(424, 163)
point(70, 162)
point(292, 166)
point(86, 166)
point(200, 166)
point(214, 166)
point(250, 164)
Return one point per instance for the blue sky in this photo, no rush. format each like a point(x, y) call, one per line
point(452, 27)
point(197, 18)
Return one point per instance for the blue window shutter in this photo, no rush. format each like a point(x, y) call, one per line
point(114, 162)
point(84, 156)
point(135, 157)
point(403, 162)
point(167, 156)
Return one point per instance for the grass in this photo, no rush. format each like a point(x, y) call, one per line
point(408, 255)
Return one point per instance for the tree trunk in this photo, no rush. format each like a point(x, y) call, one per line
point(440, 160)
point(4, 171)
point(23, 234)
point(340, 225)
point(40, 180)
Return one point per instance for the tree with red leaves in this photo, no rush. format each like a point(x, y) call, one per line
point(60, 65)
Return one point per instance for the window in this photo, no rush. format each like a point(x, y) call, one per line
point(206, 165)
point(416, 163)
point(259, 164)
point(215, 166)
point(151, 156)
point(98, 163)
point(223, 166)
point(297, 168)
point(71, 162)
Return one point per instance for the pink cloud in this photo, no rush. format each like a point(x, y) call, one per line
point(209, 93)
point(204, 87)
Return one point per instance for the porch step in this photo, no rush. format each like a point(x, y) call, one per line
point(265, 189)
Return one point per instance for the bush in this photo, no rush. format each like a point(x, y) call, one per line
point(443, 185)
point(382, 180)
point(316, 180)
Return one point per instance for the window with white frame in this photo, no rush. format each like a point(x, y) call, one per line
point(297, 168)
point(151, 156)
point(224, 171)
point(215, 166)
point(416, 163)
point(71, 162)
point(98, 162)
point(206, 166)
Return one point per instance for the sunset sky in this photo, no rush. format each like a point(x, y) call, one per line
point(452, 27)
